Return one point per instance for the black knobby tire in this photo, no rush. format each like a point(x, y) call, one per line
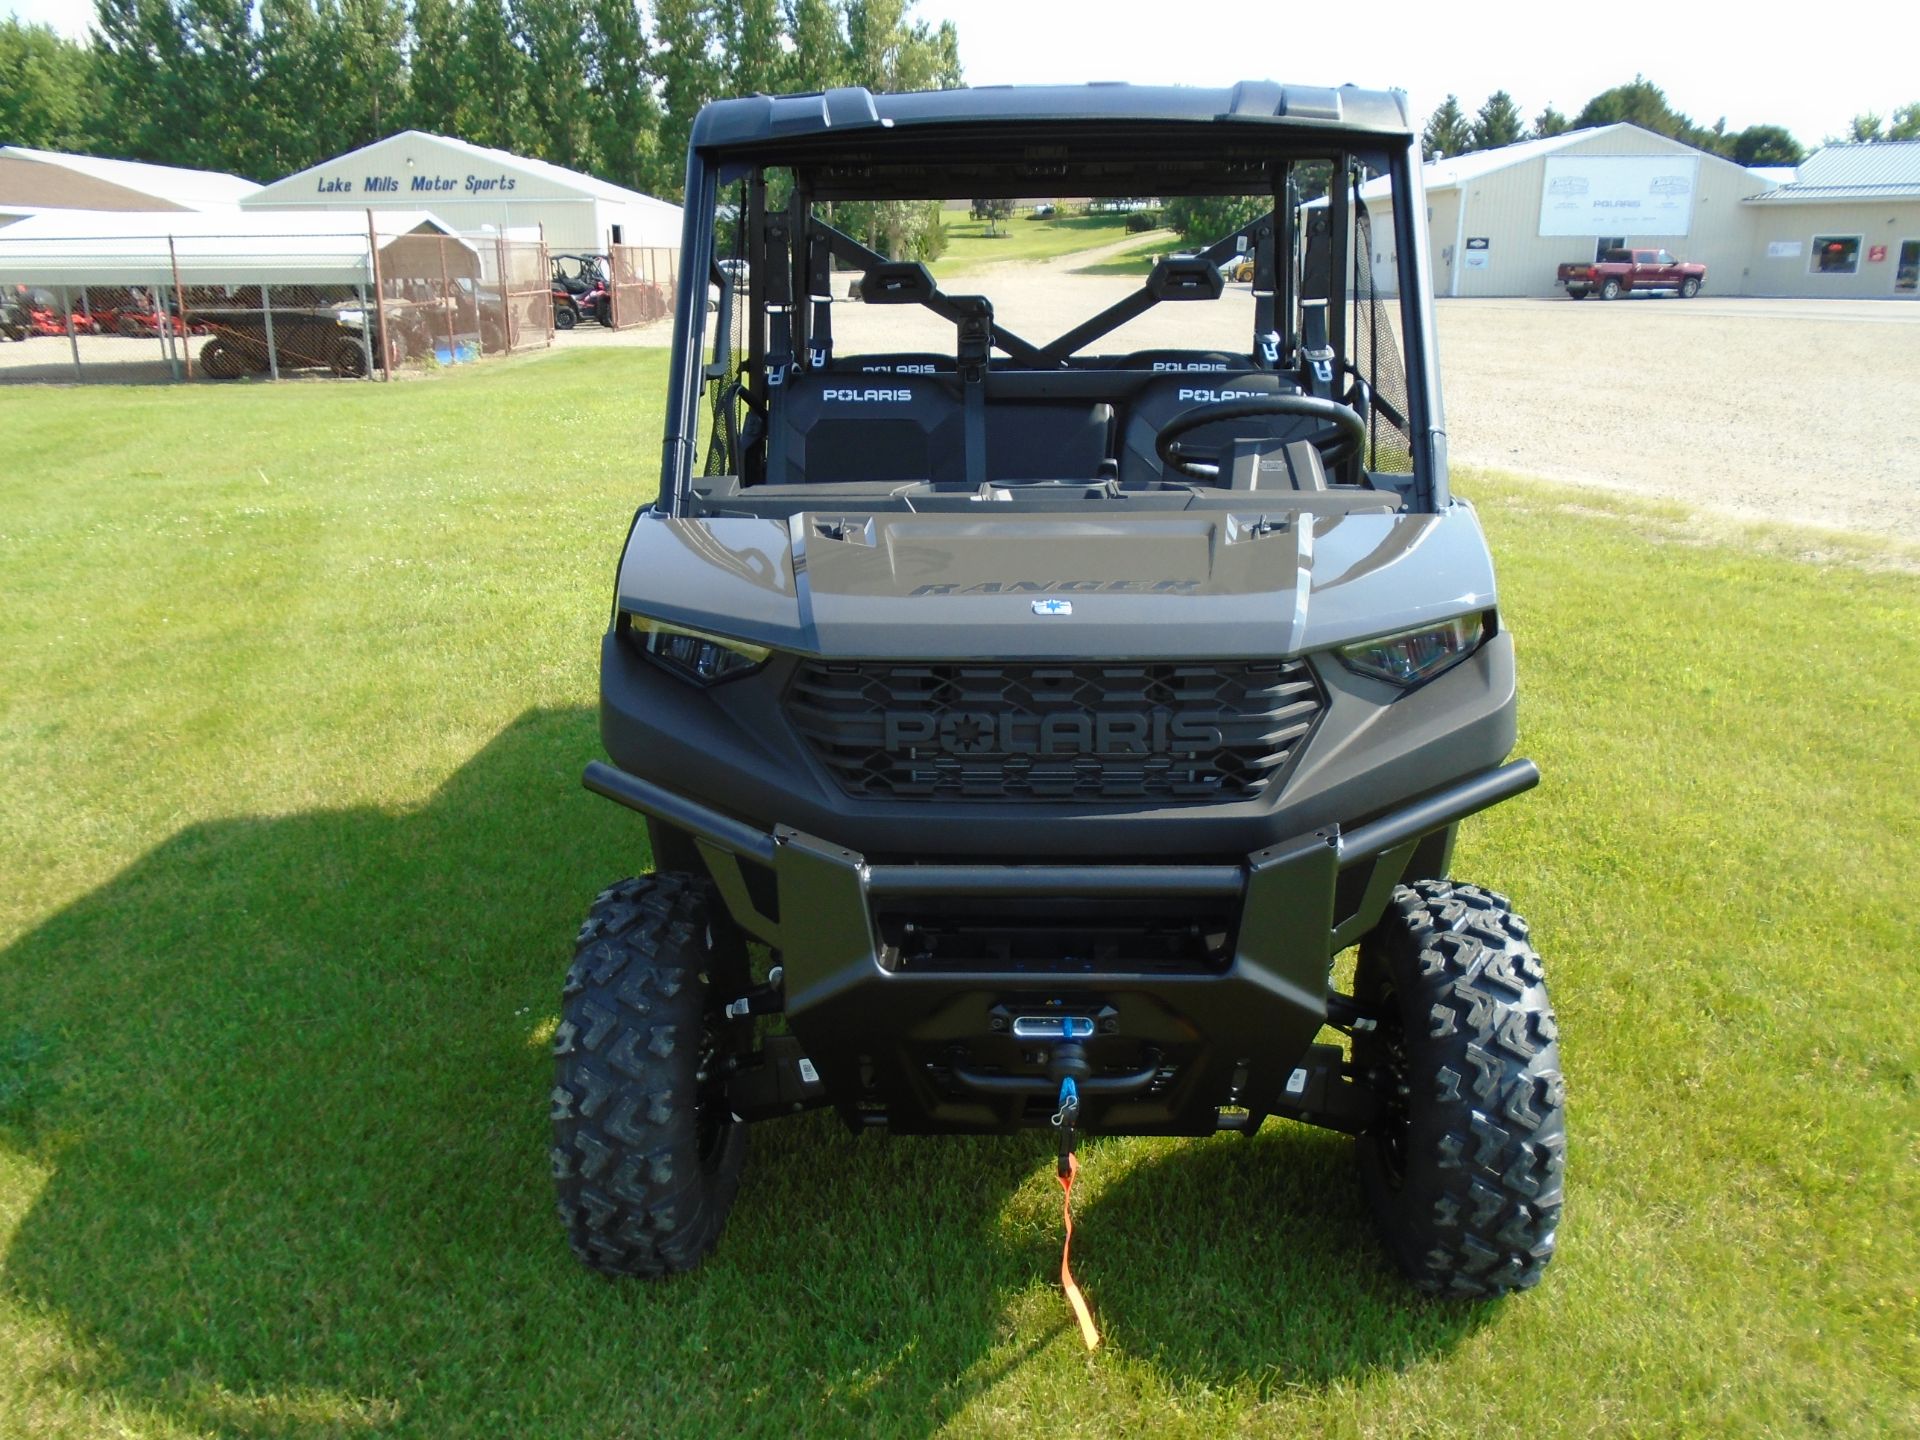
point(348, 360)
point(219, 362)
point(1610, 290)
point(1689, 288)
point(565, 317)
point(646, 1156)
point(1465, 1176)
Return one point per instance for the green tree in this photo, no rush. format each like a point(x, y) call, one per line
point(44, 84)
point(1447, 131)
point(625, 118)
point(362, 68)
point(433, 72)
point(293, 61)
point(1550, 122)
point(886, 50)
point(688, 63)
point(1906, 122)
point(1203, 219)
point(1645, 104)
point(1866, 128)
point(751, 53)
point(1640, 103)
point(1498, 123)
point(177, 81)
point(491, 80)
point(818, 59)
point(1767, 145)
point(553, 36)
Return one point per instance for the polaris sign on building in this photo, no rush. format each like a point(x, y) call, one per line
point(477, 189)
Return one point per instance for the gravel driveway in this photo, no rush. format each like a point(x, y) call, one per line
point(1806, 411)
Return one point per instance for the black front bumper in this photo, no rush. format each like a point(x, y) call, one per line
point(1155, 1048)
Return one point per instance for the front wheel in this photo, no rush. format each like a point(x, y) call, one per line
point(565, 317)
point(1689, 288)
point(1464, 1173)
point(646, 1154)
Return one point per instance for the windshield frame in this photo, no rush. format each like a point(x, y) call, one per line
point(707, 169)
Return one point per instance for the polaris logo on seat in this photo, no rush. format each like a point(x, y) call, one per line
point(984, 732)
point(1177, 365)
point(1214, 397)
point(867, 397)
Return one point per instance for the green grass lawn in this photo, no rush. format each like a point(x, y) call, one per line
point(1135, 259)
point(1022, 238)
point(296, 683)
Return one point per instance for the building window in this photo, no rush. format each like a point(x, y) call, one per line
point(1836, 255)
point(1906, 274)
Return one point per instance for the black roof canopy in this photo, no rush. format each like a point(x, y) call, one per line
point(757, 119)
point(1098, 140)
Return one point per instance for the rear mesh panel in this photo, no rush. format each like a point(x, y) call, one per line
point(1221, 730)
point(1376, 355)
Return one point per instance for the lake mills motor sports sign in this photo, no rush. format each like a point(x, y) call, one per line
point(417, 185)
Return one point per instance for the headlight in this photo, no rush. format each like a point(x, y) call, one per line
point(1414, 657)
point(693, 655)
point(347, 318)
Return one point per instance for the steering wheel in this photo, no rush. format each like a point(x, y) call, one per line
point(1166, 444)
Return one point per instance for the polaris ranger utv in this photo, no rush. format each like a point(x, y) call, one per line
point(1025, 726)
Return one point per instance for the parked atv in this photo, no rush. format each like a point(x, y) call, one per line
point(580, 290)
point(1023, 728)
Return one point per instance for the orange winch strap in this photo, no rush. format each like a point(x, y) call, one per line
point(1074, 1297)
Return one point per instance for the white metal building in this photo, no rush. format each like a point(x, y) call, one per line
point(34, 181)
point(1848, 224)
point(476, 188)
point(1501, 222)
point(1845, 223)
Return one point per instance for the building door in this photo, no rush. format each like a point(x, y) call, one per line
point(1906, 274)
point(1606, 243)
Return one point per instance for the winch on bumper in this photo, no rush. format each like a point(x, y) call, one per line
point(947, 997)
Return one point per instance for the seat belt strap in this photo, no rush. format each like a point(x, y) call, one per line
point(779, 345)
point(820, 293)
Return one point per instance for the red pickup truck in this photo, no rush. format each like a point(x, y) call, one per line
point(1619, 271)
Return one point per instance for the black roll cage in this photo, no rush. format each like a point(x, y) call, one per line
point(799, 292)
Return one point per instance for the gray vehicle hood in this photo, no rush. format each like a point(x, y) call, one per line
point(1057, 586)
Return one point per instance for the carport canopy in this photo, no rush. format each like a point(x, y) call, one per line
point(76, 249)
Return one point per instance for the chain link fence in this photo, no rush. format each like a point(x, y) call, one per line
point(641, 281)
point(131, 309)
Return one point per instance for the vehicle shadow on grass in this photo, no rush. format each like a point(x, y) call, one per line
point(290, 1092)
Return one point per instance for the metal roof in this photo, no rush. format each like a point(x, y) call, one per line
point(556, 175)
point(251, 247)
point(760, 118)
point(1450, 171)
point(1888, 170)
point(195, 189)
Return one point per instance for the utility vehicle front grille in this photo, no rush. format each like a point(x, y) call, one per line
point(1219, 730)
